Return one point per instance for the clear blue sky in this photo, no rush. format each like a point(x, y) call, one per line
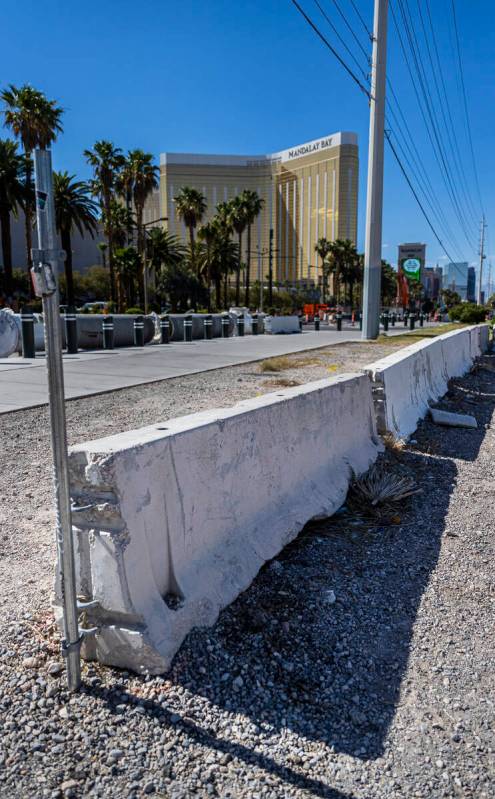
point(246, 77)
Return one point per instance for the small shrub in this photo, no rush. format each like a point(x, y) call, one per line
point(468, 312)
point(137, 311)
point(275, 364)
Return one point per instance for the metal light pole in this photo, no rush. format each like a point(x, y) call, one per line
point(374, 200)
point(482, 258)
point(47, 260)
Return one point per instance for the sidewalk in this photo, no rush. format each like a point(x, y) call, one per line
point(23, 382)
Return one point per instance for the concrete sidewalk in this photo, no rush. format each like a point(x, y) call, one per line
point(23, 382)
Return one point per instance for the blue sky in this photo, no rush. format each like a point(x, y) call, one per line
point(249, 77)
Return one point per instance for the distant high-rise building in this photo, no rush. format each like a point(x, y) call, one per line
point(455, 278)
point(471, 284)
point(432, 283)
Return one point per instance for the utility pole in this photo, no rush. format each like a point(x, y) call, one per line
point(482, 258)
point(374, 199)
point(47, 260)
point(270, 269)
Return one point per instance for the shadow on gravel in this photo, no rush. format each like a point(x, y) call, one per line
point(319, 644)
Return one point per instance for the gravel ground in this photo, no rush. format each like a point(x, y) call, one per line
point(359, 664)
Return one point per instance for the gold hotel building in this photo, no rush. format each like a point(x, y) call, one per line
point(309, 191)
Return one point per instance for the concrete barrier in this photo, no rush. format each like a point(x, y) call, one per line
point(405, 382)
point(282, 324)
point(176, 519)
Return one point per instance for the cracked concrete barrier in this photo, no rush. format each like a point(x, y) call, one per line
point(176, 519)
point(406, 382)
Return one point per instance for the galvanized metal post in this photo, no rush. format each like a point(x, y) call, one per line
point(46, 260)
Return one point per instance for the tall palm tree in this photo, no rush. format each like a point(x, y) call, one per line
point(342, 253)
point(208, 233)
point(254, 205)
point(36, 122)
point(191, 207)
point(107, 162)
point(323, 249)
point(239, 217)
point(74, 208)
point(142, 179)
point(225, 250)
point(12, 196)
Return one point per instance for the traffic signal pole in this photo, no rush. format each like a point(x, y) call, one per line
point(374, 199)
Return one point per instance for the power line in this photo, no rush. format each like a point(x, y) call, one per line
point(342, 41)
point(356, 9)
point(447, 105)
point(447, 128)
point(351, 29)
point(418, 62)
point(464, 96)
point(425, 106)
point(332, 49)
point(401, 166)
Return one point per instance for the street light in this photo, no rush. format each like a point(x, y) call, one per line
point(145, 271)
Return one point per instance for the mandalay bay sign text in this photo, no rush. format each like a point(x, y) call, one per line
point(305, 149)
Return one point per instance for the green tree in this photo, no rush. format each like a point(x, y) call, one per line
point(352, 272)
point(74, 209)
point(191, 207)
point(107, 162)
point(141, 179)
point(388, 292)
point(239, 219)
point(208, 234)
point(450, 298)
point(342, 253)
point(12, 197)
point(323, 249)
point(253, 204)
point(128, 269)
point(181, 286)
point(36, 122)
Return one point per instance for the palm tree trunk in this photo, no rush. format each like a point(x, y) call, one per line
point(218, 290)
point(225, 290)
point(109, 233)
point(192, 245)
point(6, 247)
point(238, 275)
point(323, 281)
point(69, 277)
point(248, 267)
point(141, 252)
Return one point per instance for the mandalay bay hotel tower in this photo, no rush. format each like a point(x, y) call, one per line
point(309, 192)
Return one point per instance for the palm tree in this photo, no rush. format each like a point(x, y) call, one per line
point(191, 206)
point(342, 253)
point(239, 217)
point(35, 121)
point(12, 196)
point(107, 162)
point(163, 251)
point(128, 267)
point(254, 205)
point(323, 249)
point(208, 233)
point(141, 176)
point(74, 208)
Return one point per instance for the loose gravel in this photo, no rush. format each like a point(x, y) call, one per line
point(359, 664)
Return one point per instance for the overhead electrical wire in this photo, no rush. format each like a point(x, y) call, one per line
point(332, 49)
point(447, 103)
point(413, 160)
point(350, 28)
point(425, 106)
point(445, 110)
point(342, 41)
point(464, 96)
